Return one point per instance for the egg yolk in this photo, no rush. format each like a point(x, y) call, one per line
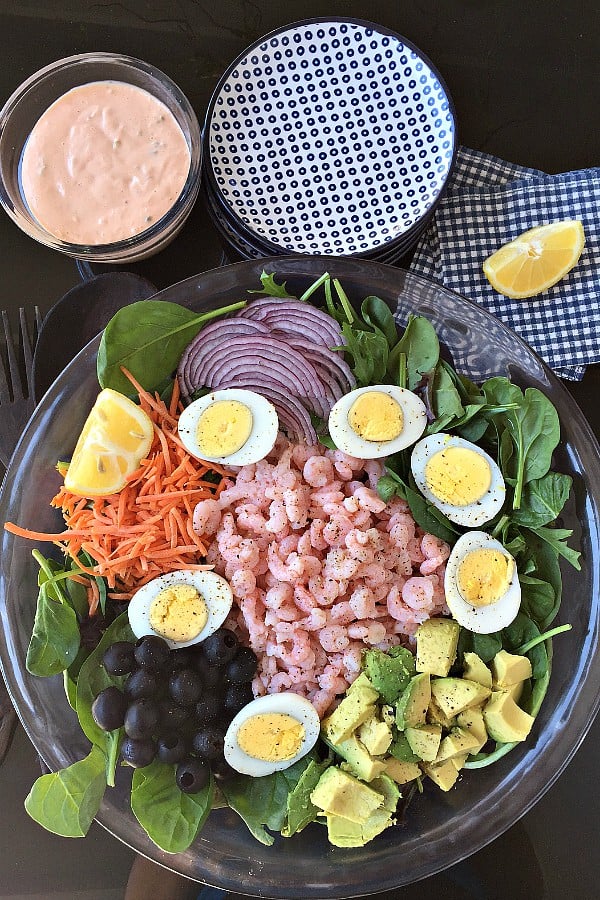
point(375, 416)
point(458, 475)
point(271, 736)
point(483, 576)
point(223, 428)
point(178, 613)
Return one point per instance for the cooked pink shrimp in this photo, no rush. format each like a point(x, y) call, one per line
point(334, 638)
point(318, 471)
point(417, 592)
point(207, 517)
point(435, 551)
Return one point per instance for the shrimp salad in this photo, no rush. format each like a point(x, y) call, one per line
point(289, 570)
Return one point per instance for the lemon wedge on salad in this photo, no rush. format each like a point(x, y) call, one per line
point(116, 436)
point(535, 260)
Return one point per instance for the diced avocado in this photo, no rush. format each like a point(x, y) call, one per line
point(435, 716)
point(458, 742)
point(453, 695)
point(443, 774)
point(344, 833)
point(358, 760)
point(459, 761)
point(401, 772)
point(376, 735)
point(504, 720)
point(515, 690)
point(356, 707)
point(424, 740)
point(411, 708)
point(400, 749)
point(389, 672)
point(508, 669)
point(474, 669)
point(386, 786)
point(471, 720)
point(340, 794)
point(437, 640)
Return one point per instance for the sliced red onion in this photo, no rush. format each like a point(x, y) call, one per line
point(294, 317)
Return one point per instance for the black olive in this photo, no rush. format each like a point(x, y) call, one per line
point(118, 659)
point(185, 687)
point(141, 683)
point(211, 675)
point(242, 667)
point(141, 718)
point(151, 652)
point(138, 753)
point(221, 769)
point(192, 775)
point(220, 647)
point(171, 748)
point(209, 709)
point(108, 708)
point(171, 715)
point(238, 696)
point(184, 658)
point(209, 741)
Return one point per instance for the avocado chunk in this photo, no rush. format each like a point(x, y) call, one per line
point(471, 720)
point(504, 720)
point(344, 833)
point(386, 786)
point(358, 760)
point(443, 774)
point(453, 695)
point(459, 761)
point(435, 716)
point(457, 743)
point(339, 794)
point(357, 706)
point(390, 672)
point(508, 669)
point(411, 708)
point(474, 669)
point(437, 640)
point(376, 735)
point(424, 740)
point(515, 690)
point(401, 772)
point(400, 749)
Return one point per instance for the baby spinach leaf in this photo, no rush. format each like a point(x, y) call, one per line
point(421, 346)
point(523, 630)
point(93, 678)
point(369, 352)
point(300, 810)
point(445, 401)
point(65, 802)
point(169, 817)
point(542, 500)
point(262, 802)
point(55, 638)
point(424, 513)
point(538, 599)
point(148, 338)
point(378, 315)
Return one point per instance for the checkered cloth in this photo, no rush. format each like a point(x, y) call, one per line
point(490, 202)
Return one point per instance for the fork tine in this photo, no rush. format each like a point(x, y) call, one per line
point(27, 346)
point(12, 388)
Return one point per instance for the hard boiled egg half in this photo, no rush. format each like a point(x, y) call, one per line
point(271, 733)
point(181, 607)
point(459, 478)
point(232, 426)
point(481, 583)
point(376, 421)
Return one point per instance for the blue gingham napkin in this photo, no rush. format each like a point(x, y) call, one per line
point(490, 202)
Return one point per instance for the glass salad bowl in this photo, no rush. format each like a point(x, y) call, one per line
point(438, 829)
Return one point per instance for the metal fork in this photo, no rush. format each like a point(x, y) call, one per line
point(16, 380)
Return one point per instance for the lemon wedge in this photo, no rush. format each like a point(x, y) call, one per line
point(535, 260)
point(116, 436)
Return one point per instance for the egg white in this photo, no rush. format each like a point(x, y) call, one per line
point(473, 514)
point(265, 426)
point(214, 590)
point(346, 439)
point(286, 703)
point(480, 619)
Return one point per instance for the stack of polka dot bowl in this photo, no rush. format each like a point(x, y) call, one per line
point(328, 136)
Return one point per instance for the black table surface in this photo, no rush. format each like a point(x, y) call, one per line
point(525, 79)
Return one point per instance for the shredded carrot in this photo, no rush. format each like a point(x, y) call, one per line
point(146, 529)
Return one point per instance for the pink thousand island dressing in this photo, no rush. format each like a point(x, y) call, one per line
point(105, 162)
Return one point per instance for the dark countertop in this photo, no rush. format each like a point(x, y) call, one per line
point(524, 77)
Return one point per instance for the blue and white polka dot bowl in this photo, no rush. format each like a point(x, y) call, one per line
point(329, 136)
